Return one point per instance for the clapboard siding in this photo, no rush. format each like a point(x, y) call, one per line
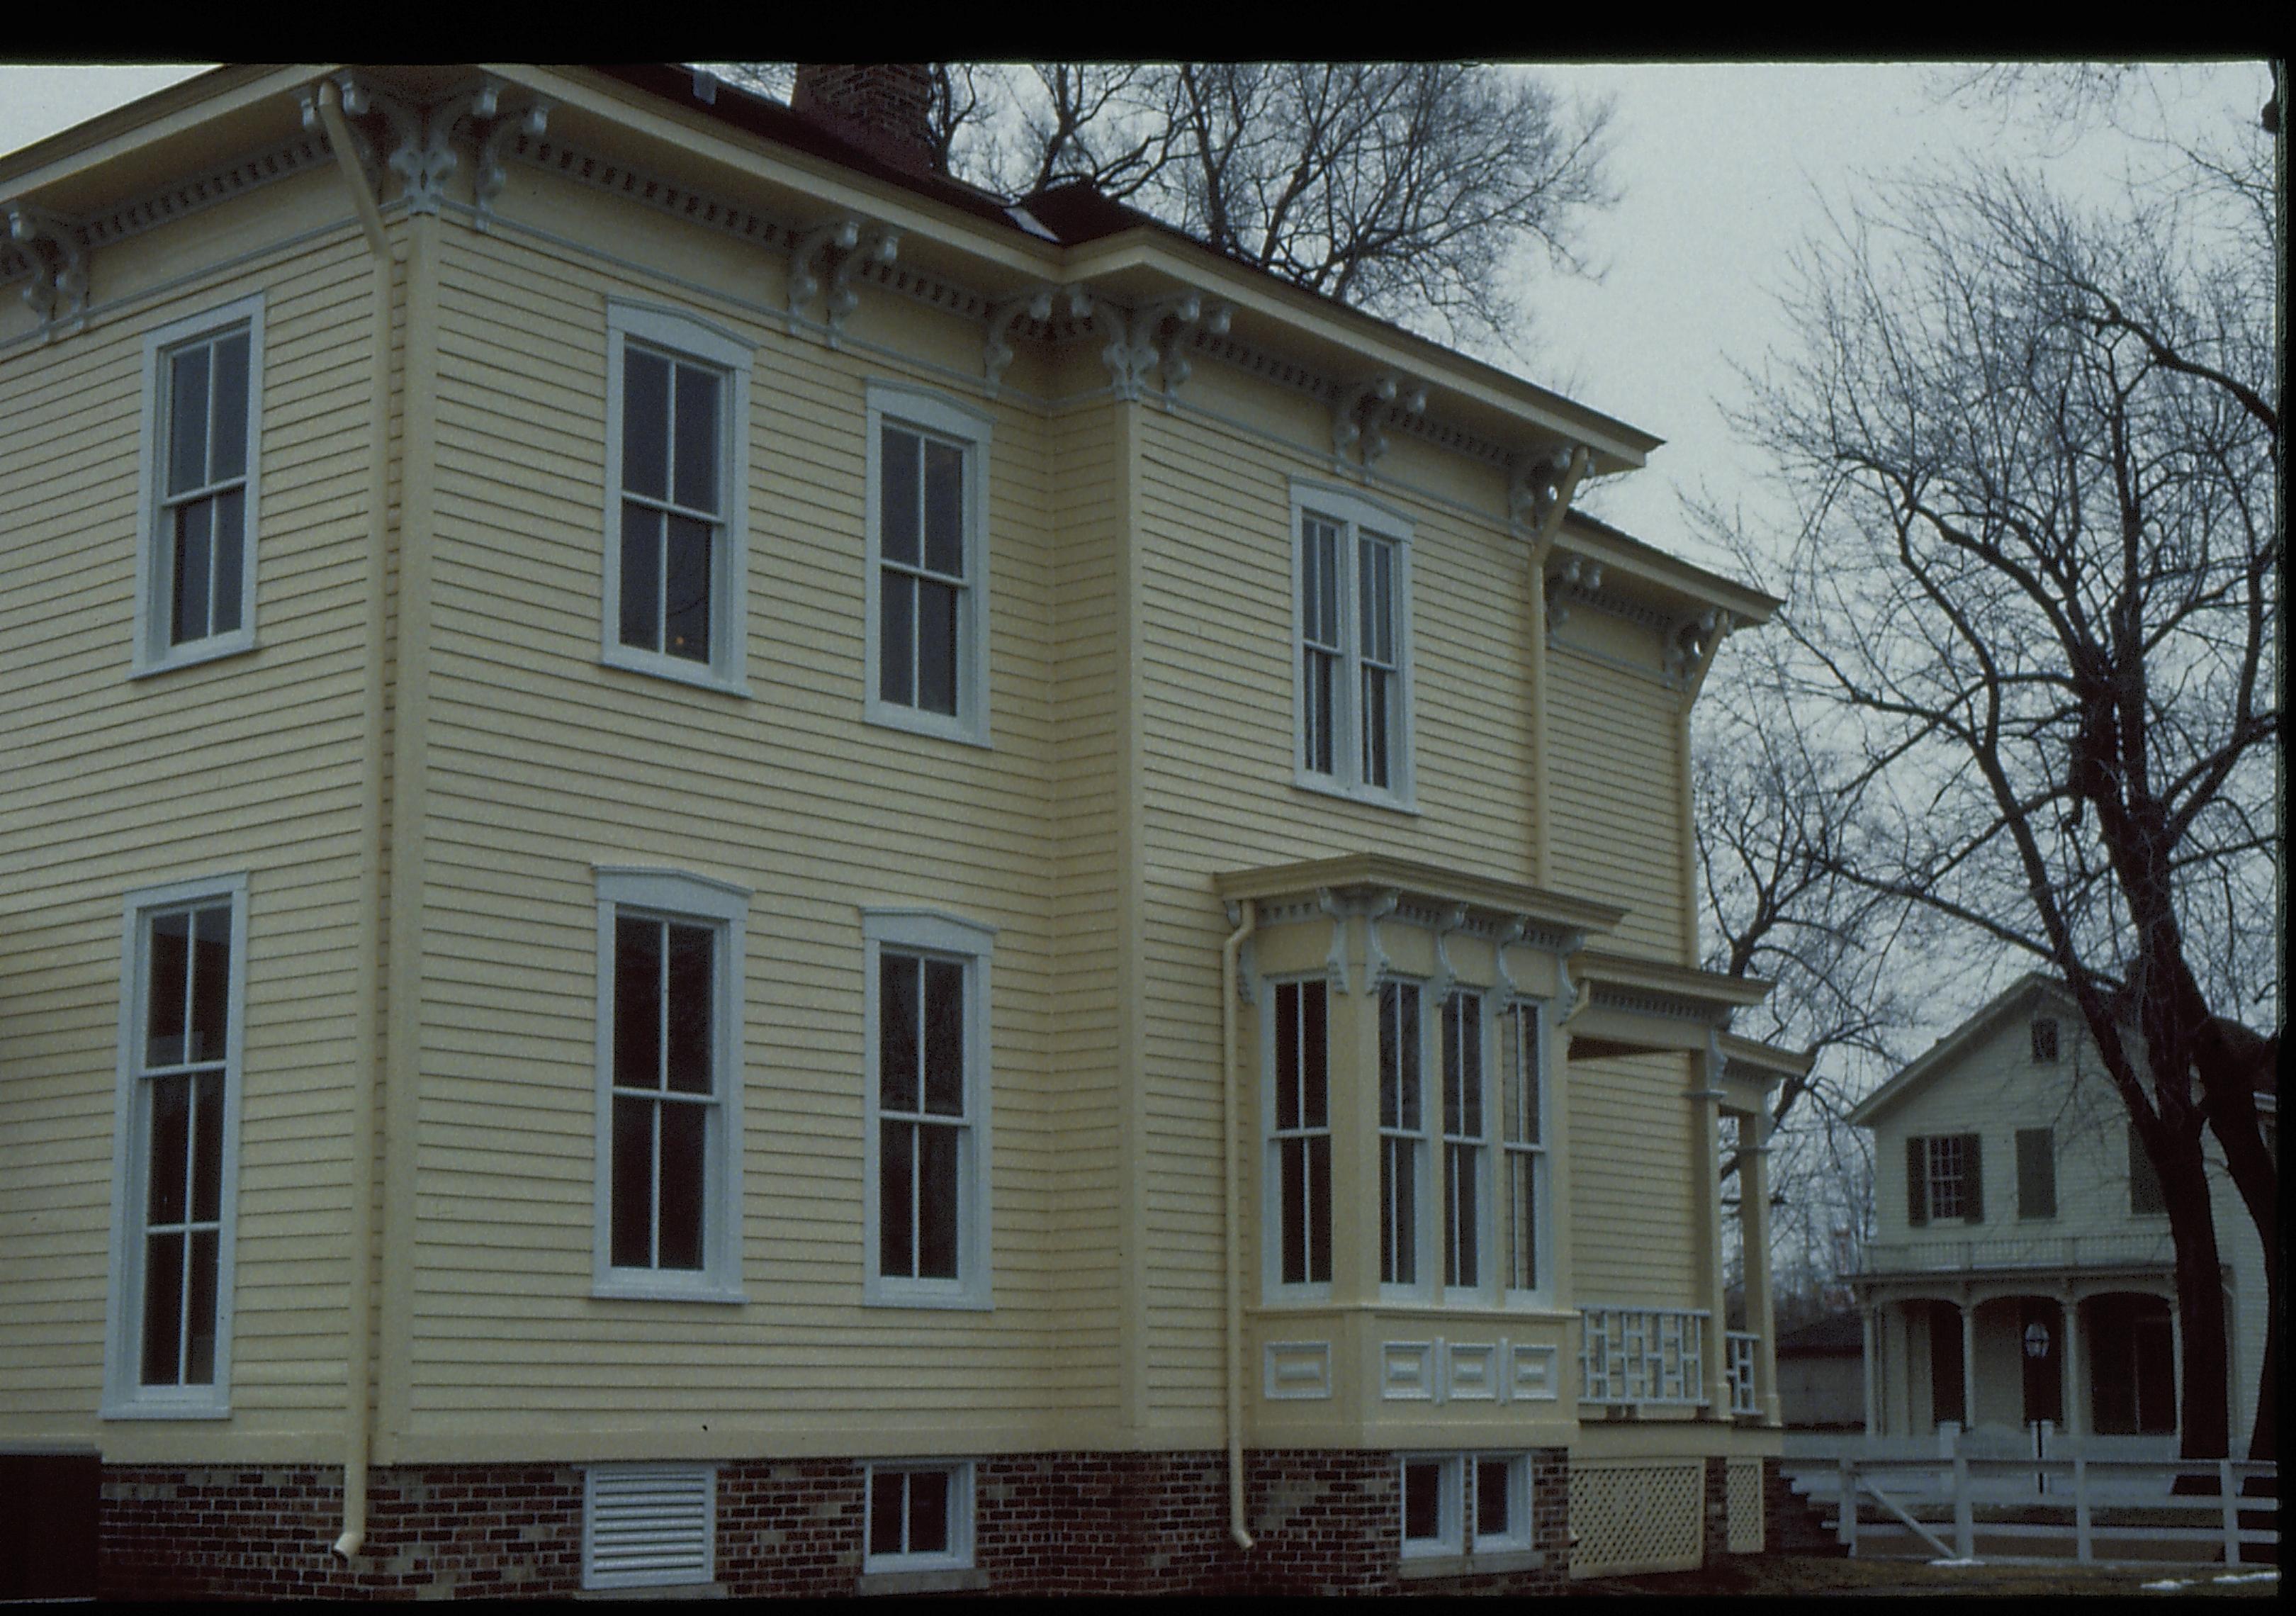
point(112, 783)
point(1614, 785)
point(1633, 1183)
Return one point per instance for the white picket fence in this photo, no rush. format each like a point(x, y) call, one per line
point(1903, 1502)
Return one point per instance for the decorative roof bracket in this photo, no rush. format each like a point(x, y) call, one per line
point(1447, 974)
point(1690, 649)
point(493, 171)
point(1577, 573)
point(1358, 412)
point(883, 246)
point(1376, 965)
point(58, 291)
point(1510, 932)
point(1138, 339)
point(1003, 321)
point(808, 260)
point(1335, 966)
point(1188, 316)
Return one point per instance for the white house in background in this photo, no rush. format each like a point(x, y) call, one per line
point(2023, 1268)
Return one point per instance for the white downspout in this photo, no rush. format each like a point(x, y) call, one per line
point(1231, 1112)
point(366, 1024)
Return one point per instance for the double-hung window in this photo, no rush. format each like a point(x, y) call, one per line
point(928, 1049)
point(1522, 1146)
point(1466, 1504)
point(1402, 1135)
point(1945, 1179)
point(669, 1063)
point(678, 411)
point(1298, 1171)
point(1466, 1141)
point(1352, 630)
point(202, 438)
point(920, 1518)
point(928, 586)
point(175, 1149)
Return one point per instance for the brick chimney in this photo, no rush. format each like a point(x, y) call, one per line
point(884, 107)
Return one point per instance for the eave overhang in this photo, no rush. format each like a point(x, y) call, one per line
point(1357, 875)
point(1648, 574)
point(1642, 1006)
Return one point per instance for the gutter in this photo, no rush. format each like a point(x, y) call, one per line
point(1247, 917)
point(374, 742)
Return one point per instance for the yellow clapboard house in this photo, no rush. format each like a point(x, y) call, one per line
point(723, 864)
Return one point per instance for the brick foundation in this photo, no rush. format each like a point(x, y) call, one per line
point(1322, 1522)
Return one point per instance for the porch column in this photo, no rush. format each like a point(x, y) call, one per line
point(1867, 1317)
point(1705, 1098)
point(1968, 1360)
point(2176, 1364)
point(1754, 1235)
point(2076, 1398)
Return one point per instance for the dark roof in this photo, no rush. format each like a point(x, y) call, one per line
point(1842, 1334)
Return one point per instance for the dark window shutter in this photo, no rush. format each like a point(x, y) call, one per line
point(2143, 1184)
point(2036, 1173)
point(1917, 1182)
point(1972, 1179)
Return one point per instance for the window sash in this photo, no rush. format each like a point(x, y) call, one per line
point(925, 544)
point(1351, 729)
point(666, 540)
point(925, 1126)
point(1403, 1132)
point(1522, 1143)
point(1299, 1140)
point(664, 1092)
point(919, 1517)
point(1465, 1139)
point(1947, 1166)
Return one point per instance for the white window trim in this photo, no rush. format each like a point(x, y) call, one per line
point(1543, 1195)
point(729, 606)
point(1518, 1532)
point(675, 1577)
point(928, 933)
point(949, 419)
point(959, 1554)
point(1273, 1286)
point(151, 653)
point(1353, 512)
point(675, 895)
point(125, 1396)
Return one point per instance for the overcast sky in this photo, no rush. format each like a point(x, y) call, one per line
point(1724, 168)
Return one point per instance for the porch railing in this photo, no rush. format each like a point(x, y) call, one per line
point(2144, 1509)
point(1738, 1347)
point(2037, 1251)
point(1642, 1355)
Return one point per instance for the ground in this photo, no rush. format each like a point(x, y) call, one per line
point(1770, 1576)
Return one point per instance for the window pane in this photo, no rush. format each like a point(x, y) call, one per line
point(936, 647)
point(1461, 1265)
point(193, 564)
point(1492, 1516)
point(897, 1199)
point(937, 1195)
point(897, 1012)
point(171, 1134)
point(897, 497)
point(1522, 1214)
point(944, 510)
point(638, 1003)
point(633, 1187)
point(888, 1512)
point(163, 1309)
point(897, 640)
point(1292, 1155)
point(1287, 1056)
point(685, 1135)
point(199, 1346)
point(1376, 685)
point(697, 438)
point(210, 982)
point(1320, 673)
point(1374, 605)
point(230, 541)
point(187, 407)
point(685, 596)
point(1312, 1086)
point(928, 1512)
point(645, 423)
point(642, 543)
point(1422, 1501)
point(227, 454)
point(1398, 1194)
point(944, 1038)
point(690, 978)
point(207, 1146)
point(1319, 1209)
point(165, 992)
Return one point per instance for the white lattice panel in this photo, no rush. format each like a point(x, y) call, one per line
point(1743, 1492)
point(1644, 1515)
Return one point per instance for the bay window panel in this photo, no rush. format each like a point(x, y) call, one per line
point(1400, 1108)
point(1463, 1142)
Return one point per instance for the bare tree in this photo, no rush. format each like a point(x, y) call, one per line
point(2037, 454)
point(1407, 189)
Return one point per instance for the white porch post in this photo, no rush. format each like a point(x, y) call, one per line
point(2076, 1395)
point(1705, 1096)
point(2177, 1368)
point(1754, 1235)
point(1868, 1317)
point(1968, 1360)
